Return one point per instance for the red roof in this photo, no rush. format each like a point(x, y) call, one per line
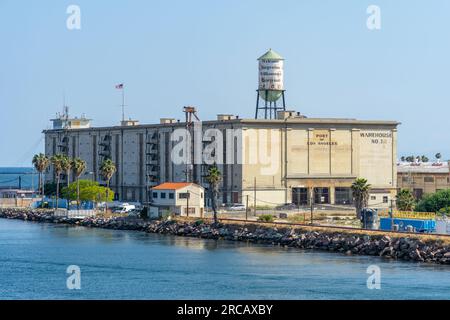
point(172, 185)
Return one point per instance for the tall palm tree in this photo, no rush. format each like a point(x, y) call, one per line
point(57, 161)
point(41, 163)
point(438, 156)
point(67, 167)
point(213, 178)
point(360, 189)
point(107, 169)
point(79, 166)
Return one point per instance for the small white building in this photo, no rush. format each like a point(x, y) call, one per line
point(179, 198)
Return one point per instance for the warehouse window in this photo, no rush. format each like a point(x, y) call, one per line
point(343, 196)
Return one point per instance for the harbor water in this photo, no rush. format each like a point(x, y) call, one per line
point(34, 258)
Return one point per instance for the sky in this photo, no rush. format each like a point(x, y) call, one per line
point(203, 52)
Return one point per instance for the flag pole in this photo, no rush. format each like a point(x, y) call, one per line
point(123, 103)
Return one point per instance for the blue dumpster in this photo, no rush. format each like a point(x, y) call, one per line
point(419, 225)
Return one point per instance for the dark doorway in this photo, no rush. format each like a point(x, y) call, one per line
point(300, 196)
point(321, 195)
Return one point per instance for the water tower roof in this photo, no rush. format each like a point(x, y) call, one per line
point(271, 55)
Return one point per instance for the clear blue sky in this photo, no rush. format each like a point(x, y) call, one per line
point(173, 53)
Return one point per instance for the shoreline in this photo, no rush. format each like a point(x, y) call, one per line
point(420, 248)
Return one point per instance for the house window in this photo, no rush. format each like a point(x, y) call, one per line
point(171, 195)
point(163, 195)
point(191, 211)
point(201, 195)
point(373, 197)
point(183, 195)
point(385, 199)
point(155, 195)
point(428, 179)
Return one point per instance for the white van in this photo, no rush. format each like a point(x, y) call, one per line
point(124, 208)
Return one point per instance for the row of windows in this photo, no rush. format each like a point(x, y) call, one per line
point(163, 195)
point(385, 198)
point(171, 195)
point(408, 179)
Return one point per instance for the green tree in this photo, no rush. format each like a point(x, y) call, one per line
point(57, 161)
point(434, 202)
point(66, 165)
point(107, 169)
point(50, 188)
point(87, 190)
point(79, 166)
point(424, 158)
point(438, 156)
point(213, 178)
point(405, 200)
point(41, 162)
point(360, 189)
point(410, 158)
point(402, 159)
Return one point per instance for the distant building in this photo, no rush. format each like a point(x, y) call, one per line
point(16, 197)
point(181, 198)
point(423, 177)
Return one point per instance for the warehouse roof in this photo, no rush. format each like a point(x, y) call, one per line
point(423, 167)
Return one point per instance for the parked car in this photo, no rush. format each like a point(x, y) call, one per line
point(236, 207)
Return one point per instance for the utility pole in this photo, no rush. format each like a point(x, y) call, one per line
point(246, 208)
point(254, 195)
point(311, 202)
point(391, 214)
point(187, 204)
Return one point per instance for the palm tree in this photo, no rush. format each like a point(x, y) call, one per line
point(41, 163)
point(405, 200)
point(57, 161)
point(213, 178)
point(67, 167)
point(107, 169)
point(78, 166)
point(360, 189)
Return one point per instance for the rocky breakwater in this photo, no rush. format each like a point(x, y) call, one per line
point(396, 246)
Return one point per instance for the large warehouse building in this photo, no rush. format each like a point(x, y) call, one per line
point(287, 159)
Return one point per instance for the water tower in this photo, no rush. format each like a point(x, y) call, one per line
point(270, 85)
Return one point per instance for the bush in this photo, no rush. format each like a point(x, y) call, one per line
point(266, 218)
point(434, 202)
point(199, 222)
point(445, 211)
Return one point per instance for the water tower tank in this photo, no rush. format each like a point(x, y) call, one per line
point(270, 76)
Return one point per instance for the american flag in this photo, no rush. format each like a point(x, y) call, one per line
point(119, 86)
